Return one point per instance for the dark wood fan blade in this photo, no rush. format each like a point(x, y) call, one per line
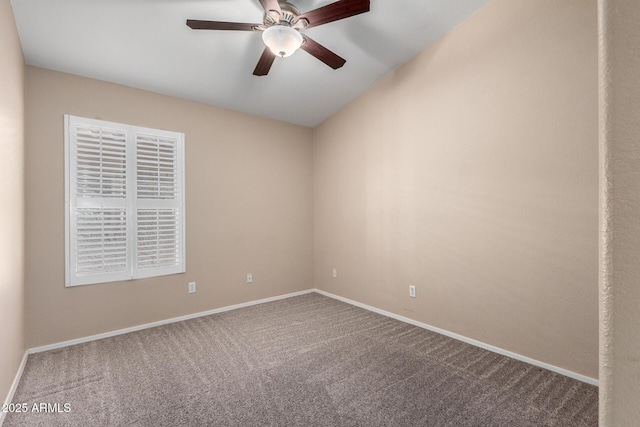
point(334, 11)
point(216, 25)
point(322, 53)
point(265, 62)
point(271, 5)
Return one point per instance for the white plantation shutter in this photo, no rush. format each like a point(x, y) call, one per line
point(157, 167)
point(100, 156)
point(158, 238)
point(124, 202)
point(159, 216)
point(101, 241)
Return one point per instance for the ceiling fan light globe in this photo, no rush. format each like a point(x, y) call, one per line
point(282, 40)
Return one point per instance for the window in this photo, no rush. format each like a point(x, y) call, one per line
point(124, 202)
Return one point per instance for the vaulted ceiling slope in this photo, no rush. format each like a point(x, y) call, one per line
point(145, 44)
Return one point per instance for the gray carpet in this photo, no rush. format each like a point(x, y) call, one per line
point(303, 361)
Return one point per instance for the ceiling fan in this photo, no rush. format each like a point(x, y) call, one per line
point(282, 30)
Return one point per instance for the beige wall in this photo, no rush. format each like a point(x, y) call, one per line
point(472, 173)
point(619, 215)
point(249, 209)
point(12, 195)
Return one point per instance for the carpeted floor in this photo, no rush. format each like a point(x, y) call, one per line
point(303, 361)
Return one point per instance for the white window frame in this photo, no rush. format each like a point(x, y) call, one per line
point(131, 203)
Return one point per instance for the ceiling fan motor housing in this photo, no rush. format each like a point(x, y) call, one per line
point(289, 14)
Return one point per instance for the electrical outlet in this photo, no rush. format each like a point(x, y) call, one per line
point(249, 278)
point(335, 273)
point(192, 287)
point(412, 291)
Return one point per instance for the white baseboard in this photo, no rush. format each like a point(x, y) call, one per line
point(462, 338)
point(162, 322)
point(14, 385)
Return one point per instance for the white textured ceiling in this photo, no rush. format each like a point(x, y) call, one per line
point(146, 44)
